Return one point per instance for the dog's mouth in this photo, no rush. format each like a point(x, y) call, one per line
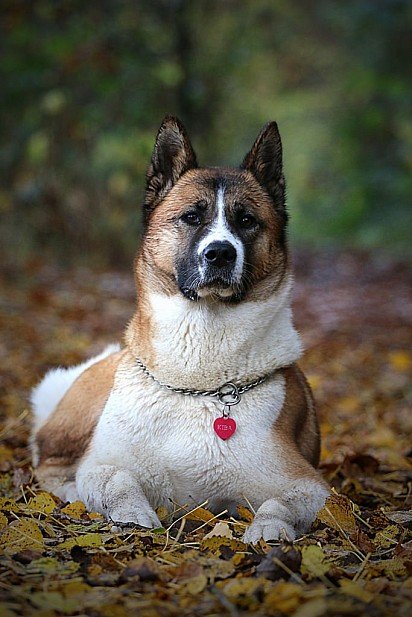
point(219, 288)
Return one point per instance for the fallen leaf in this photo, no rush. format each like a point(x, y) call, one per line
point(217, 545)
point(3, 521)
point(245, 514)
point(75, 510)
point(199, 514)
point(313, 608)
point(400, 360)
point(191, 576)
point(387, 537)
point(337, 513)
point(355, 590)
point(284, 598)
point(220, 529)
point(87, 540)
point(21, 535)
point(314, 562)
point(51, 566)
point(162, 513)
point(42, 502)
point(279, 563)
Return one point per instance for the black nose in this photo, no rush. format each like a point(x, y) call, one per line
point(220, 254)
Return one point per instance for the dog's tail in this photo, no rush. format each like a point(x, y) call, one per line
point(45, 397)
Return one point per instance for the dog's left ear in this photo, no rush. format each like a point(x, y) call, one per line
point(172, 156)
point(264, 161)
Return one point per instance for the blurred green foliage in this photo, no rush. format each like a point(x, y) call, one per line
point(84, 87)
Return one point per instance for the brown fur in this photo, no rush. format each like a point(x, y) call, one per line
point(66, 434)
point(297, 426)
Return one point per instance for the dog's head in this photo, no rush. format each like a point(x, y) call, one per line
point(214, 232)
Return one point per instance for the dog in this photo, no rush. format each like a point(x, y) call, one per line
point(205, 400)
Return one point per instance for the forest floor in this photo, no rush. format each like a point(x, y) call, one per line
point(355, 313)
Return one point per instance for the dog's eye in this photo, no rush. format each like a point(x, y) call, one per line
point(191, 218)
point(247, 221)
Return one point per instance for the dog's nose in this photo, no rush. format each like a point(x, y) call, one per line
point(220, 254)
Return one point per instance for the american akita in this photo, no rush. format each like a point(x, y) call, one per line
point(205, 400)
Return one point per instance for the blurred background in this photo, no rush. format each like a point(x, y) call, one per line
point(84, 87)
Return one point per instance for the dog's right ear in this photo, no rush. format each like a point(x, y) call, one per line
point(172, 156)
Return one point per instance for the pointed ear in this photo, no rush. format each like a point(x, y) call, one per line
point(172, 156)
point(264, 161)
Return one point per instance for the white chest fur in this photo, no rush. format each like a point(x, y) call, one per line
point(200, 345)
point(167, 441)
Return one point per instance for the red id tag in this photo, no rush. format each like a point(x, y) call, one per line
point(224, 427)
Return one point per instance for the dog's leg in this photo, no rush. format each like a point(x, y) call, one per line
point(116, 493)
point(291, 512)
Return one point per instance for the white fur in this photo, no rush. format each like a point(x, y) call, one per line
point(203, 345)
point(153, 446)
point(220, 231)
point(48, 393)
point(167, 443)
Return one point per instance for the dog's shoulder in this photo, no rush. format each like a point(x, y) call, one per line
point(297, 420)
point(68, 430)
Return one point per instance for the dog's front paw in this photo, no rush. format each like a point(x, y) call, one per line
point(269, 529)
point(273, 521)
point(126, 513)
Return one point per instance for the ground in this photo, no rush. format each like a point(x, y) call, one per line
point(58, 559)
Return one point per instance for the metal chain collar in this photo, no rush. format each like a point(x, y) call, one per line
point(228, 395)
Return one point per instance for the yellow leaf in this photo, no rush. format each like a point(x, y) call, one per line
point(314, 608)
point(5, 611)
point(314, 561)
point(162, 513)
point(8, 505)
point(338, 514)
point(3, 521)
point(217, 543)
point(400, 360)
point(88, 540)
point(355, 590)
point(55, 601)
point(96, 516)
point(42, 502)
point(220, 529)
point(50, 565)
point(75, 509)
point(244, 513)
point(196, 584)
point(21, 535)
point(383, 437)
point(200, 514)
point(75, 588)
point(241, 590)
point(387, 537)
point(392, 568)
point(349, 404)
point(192, 577)
point(218, 569)
point(283, 598)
